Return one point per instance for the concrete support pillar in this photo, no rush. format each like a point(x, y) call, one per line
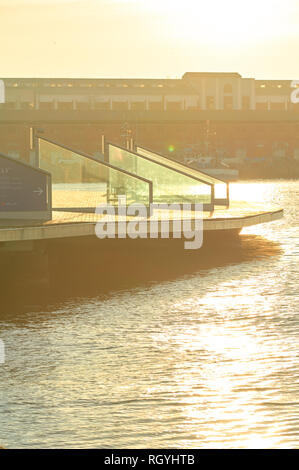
point(252, 95)
point(203, 99)
point(239, 95)
point(217, 95)
point(164, 103)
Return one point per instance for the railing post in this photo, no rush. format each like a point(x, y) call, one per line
point(213, 196)
point(36, 150)
point(227, 193)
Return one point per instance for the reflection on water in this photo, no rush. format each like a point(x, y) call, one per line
point(206, 357)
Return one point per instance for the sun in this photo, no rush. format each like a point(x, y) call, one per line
point(217, 21)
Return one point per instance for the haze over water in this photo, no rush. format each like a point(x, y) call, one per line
point(206, 359)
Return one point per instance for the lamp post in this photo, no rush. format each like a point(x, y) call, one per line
point(32, 144)
point(126, 132)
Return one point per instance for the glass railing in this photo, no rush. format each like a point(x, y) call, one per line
point(170, 185)
point(221, 188)
point(81, 182)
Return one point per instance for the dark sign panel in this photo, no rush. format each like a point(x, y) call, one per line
point(23, 188)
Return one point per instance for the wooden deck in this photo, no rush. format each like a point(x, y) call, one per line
point(76, 224)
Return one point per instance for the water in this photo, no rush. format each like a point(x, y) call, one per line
point(207, 359)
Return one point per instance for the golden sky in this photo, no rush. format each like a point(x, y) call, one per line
point(149, 38)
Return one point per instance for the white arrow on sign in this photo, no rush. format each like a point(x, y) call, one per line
point(39, 191)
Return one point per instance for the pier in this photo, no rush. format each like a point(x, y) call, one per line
point(58, 250)
point(79, 224)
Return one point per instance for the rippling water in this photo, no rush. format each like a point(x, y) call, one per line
point(208, 359)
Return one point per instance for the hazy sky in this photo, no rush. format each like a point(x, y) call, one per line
point(149, 38)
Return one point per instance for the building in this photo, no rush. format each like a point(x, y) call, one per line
point(220, 114)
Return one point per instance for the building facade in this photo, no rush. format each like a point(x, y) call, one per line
point(220, 114)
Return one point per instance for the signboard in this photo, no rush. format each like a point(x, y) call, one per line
point(25, 191)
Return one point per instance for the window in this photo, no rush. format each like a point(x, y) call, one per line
point(27, 105)
point(102, 105)
point(120, 105)
point(210, 102)
point(138, 105)
point(82, 105)
point(8, 105)
point(228, 102)
point(173, 106)
point(65, 105)
point(245, 102)
point(192, 108)
point(261, 106)
point(277, 106)
point(155, 105)
point(46, 105)
point(227, 88)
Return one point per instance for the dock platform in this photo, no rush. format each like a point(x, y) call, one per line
point(65, 224)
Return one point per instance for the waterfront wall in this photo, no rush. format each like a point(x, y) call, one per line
point(239, 135)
